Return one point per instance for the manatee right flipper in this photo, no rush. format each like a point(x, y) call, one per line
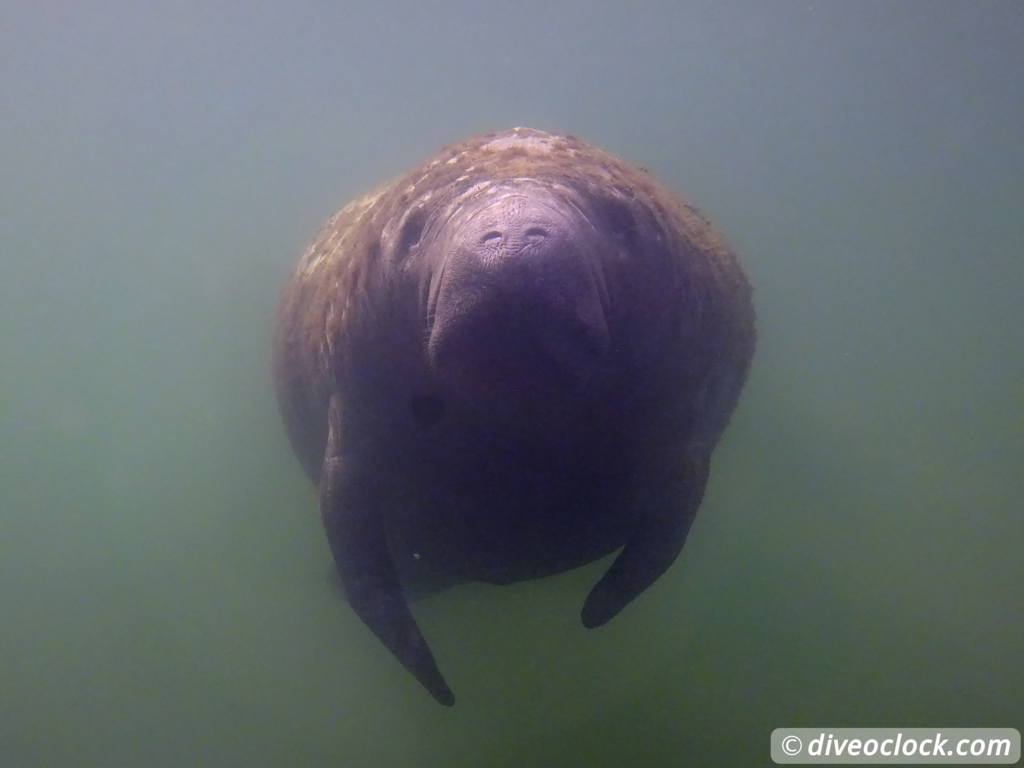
point(354, 521)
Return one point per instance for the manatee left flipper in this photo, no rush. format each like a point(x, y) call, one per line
point(654, 544)
point(355, 531)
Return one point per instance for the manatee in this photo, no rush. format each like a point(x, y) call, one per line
point(510, 362)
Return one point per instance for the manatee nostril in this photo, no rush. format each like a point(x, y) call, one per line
point(536, 233)
point(491, 238)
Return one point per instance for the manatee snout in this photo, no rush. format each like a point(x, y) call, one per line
point(518, 307)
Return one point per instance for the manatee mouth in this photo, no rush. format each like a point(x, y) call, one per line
point(513, 348)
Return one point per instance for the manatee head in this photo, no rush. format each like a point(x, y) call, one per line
point(514, 297)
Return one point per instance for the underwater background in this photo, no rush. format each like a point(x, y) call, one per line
point(166, 592)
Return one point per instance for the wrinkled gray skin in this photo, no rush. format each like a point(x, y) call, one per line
point(511, 362)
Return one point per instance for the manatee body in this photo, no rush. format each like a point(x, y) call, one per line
point(510, 362)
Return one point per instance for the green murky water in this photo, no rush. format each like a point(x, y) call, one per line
point(165, 589)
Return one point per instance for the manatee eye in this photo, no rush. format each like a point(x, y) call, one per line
point(617, 217)
point(412, 230)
